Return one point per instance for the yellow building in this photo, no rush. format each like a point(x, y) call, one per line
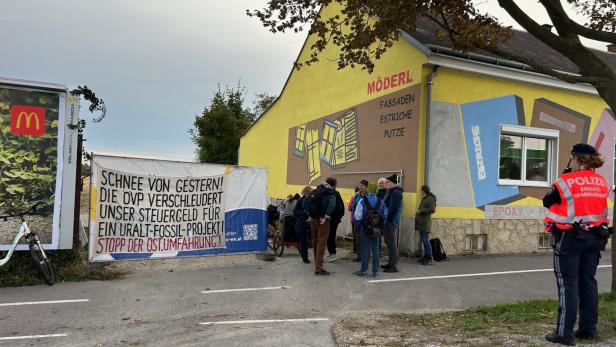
point(487, 134)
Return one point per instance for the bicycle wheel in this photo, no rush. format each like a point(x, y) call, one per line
point(43, 264)
point(279, 245)
point(271, 236)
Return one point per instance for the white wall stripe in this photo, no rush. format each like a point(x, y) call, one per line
point(468, 275)
point(300, 320)
point(242, 289)
point(43, 302)
point(31, 337)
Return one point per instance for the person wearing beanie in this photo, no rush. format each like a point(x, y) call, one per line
point(577, 219)
point(369, 214)
point(393, 203)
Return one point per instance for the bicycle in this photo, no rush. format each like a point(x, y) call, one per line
point(274, 239)
point(42, 262)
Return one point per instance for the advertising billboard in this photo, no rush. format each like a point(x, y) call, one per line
point(37, 160)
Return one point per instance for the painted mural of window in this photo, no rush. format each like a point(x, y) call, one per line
point(527, 156)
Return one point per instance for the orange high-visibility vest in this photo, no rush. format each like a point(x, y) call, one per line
point(583, 198)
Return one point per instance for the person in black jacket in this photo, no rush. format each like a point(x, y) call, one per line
point(333, 226)
point(302, 227)
point(393, 202)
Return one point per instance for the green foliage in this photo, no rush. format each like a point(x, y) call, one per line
point(262, 103)
point(96, 104)
point(218, 130)
point(362, 41)
point(372, 188)
point(27, 163)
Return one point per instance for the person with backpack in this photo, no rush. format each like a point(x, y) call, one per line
point(370, 216)
point(393, 202)
point(423, 222)
point(301, 224)
point(333, 226)
point(320, 205)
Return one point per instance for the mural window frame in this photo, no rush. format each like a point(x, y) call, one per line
point(530, 139)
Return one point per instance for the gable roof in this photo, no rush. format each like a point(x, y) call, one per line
point(521, 43)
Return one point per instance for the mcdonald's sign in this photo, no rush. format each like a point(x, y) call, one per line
point(27, 120)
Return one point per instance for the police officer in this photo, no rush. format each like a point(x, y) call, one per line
point(577, 218)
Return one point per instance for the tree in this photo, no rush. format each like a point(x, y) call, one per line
point(262, 103)
point(361, 40)
point(218, 130)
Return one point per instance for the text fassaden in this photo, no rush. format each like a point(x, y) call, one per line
point(481, 168)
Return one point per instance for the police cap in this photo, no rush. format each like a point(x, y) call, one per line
point(583, 149)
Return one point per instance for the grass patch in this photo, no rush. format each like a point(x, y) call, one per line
point(69, 266)
point(518, 324)
point(519, 316)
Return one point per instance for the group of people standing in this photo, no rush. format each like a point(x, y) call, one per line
point(374, 218)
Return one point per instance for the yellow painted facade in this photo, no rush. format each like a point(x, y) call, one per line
point(460, 87)
point(322, 89)
point(315, 91)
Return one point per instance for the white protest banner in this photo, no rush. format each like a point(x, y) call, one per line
point(135, 215)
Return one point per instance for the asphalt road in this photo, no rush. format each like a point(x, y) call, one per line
point(162, 308)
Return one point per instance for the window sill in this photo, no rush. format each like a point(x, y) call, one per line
point(524, 184)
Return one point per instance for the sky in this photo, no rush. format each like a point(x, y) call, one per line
point(156, 63)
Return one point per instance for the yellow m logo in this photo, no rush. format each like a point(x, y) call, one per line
point(28, 118)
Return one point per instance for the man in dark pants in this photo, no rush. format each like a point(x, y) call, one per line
point(333, 226)
point(320, 204)
point(393, 202)
point(577, 218)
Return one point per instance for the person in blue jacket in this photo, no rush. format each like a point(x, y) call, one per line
point(368, 244)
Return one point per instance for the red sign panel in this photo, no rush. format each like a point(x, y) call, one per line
point(27, 120)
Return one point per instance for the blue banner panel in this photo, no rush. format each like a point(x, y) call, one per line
point(245, 230)
point(481, 121)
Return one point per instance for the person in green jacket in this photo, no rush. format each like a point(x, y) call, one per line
point(423, 222)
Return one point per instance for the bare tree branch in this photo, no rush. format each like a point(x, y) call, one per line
point(559, 17)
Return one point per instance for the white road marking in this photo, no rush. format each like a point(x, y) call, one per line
point(43, 302)
point(31, 337)
point(468, 275)
point(266, 321)
point(243, 289)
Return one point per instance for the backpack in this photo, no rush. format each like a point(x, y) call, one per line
point(315, 203)
point(438, 252)
point(374, 221)
point(339, 209)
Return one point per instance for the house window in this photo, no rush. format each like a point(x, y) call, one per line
point(527, 156)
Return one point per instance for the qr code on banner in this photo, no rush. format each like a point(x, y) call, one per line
point(250, 231)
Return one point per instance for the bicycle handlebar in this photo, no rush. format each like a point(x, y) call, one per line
point(21, 214)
